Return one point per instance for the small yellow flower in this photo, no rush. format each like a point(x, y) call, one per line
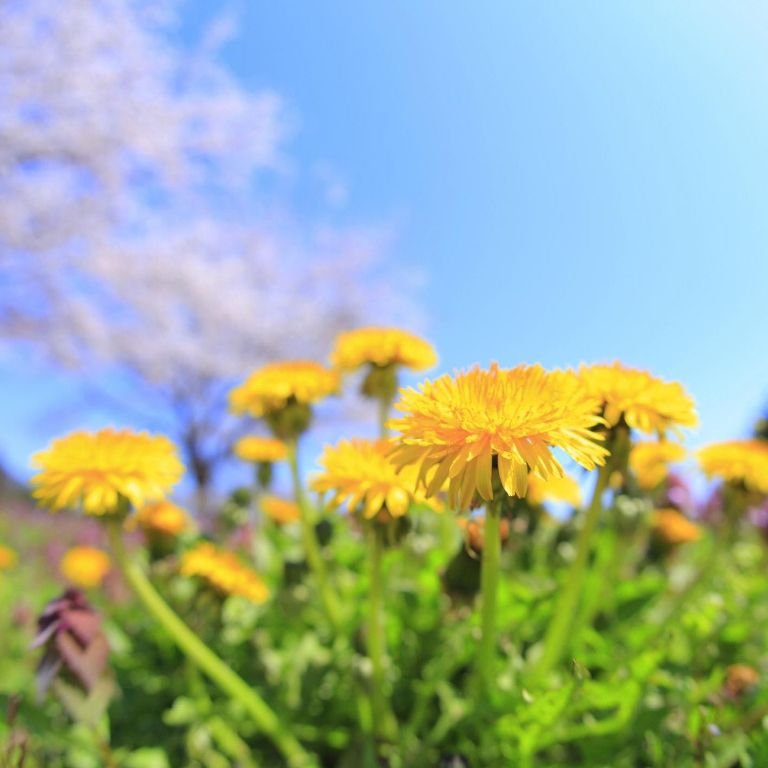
point(280, 511)
point(224, 572)
point(673, 528)
point(737, 461)
point(564, 489)
point(97, 469)
point(162, 517)
point(361, 473)
point(84, 566)
point(649, 461)
point(645, 402)
point(256, 449)
point(382, 347)
point(276, 385)
point(7, 558)
point(457, 429)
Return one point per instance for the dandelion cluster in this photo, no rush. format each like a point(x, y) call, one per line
point(563, 489)
point(389, 588)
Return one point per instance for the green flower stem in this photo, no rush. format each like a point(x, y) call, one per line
point(310, 543)
point(384, 721)
point(489, 583)
point(256, 518)
point(202, 656)
point(567, 603)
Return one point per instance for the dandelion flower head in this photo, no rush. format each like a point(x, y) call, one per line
point(649, 461)
point(224, 572)
point(457, 428)
point(280, 511)
point(8, 558)
point(643, 401)
point(563, 489)
point(257, 449)
point(275, 385)
point(163, 517)
point(98, 469)
point(382, 347)
point(674, 528)
point(737, 461)
point(84, 566)
point(360, 473)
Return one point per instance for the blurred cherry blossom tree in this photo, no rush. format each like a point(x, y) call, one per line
point(128, 238)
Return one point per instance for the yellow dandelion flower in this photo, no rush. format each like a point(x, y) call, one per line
point(456, 429)
point(84, 566)
point(257, 449)
point(673, 528)
point(646, 403)
point(224, 572)
point(564, 489)
point(361, 473)
point(7, 558)
point(382, 347)
point(737, 461)
point(162, 517)
point(650, 460)
point(276, 385)
point(280, 511)
point(97, 469)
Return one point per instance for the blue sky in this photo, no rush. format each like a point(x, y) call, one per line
point(573, 181)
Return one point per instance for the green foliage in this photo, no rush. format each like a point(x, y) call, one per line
point(647, 681)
